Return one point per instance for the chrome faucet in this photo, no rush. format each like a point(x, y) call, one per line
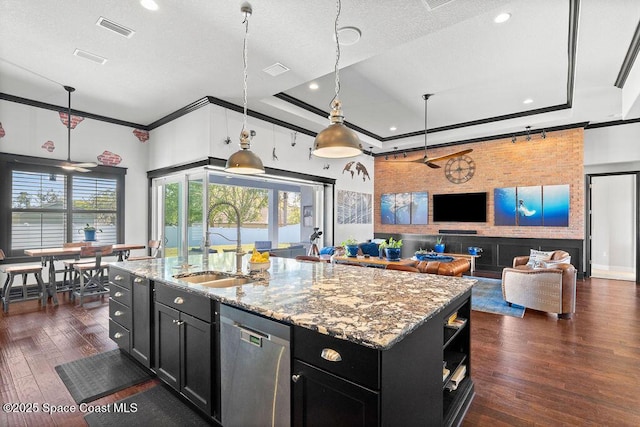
point(207, 243)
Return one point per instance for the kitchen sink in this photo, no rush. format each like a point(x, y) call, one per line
point(206, 276)
point(213, 279)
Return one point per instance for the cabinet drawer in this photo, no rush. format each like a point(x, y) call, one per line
point(137, 281)
point(120, 335)
point(120, 294)
point(120, 277)
point(359, 364)
point(120, 313)
point(196, 305)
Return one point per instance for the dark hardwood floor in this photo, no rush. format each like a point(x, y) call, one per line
point(532, 371)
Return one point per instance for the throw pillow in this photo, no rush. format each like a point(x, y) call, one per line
point(327, 250)
point(555, 262)
point(537, 258)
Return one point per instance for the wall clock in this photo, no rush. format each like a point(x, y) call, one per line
point(460, 169)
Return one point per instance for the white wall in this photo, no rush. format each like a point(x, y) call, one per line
point(201, 134)
point(27, 128)
point(613, 146)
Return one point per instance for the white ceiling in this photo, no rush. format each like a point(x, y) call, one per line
point(187, 50)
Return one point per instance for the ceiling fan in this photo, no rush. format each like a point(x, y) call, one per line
point(430, 161)
point(69, 165)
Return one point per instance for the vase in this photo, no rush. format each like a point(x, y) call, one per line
point(393, 254)
point(352, 250)
point(439, 248)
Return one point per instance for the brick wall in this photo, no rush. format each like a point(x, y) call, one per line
point(558, 159)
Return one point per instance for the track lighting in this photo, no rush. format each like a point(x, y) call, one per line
point(528, 138)
point(514, 139)
point(543, 135)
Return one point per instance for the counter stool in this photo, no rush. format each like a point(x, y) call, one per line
point(27, 293)
point(154, 245)
point(69, 275)
point(92, 274)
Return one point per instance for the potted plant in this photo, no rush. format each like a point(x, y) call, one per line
point(422, 254)
point(393, 249)
point(439, 247)
point(89, 232)
point(351, 247)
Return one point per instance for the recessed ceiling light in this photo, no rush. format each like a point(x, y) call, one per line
point(348, 35)
point(313, 86)
point(149, 4)
point(392, 128)
point(503, 17)
point(527, 101)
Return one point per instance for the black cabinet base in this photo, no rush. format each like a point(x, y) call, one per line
point(457, 403)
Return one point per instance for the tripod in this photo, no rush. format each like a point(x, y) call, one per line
point(313, 249)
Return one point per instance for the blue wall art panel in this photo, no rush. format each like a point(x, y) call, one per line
point(529, 205)
point(504, 200)
point(419, 208)
point(532, 206)
point(555, 202)
point(388, 209)
point(403, 208)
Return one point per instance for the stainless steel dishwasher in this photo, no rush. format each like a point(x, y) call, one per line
point(255, 370)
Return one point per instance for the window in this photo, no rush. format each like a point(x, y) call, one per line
point(46, 207)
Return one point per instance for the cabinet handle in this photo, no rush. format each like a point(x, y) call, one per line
point(295, 378)
point(118, 313)
point(178, 322)
point(331, 355)
point(178, 300)
point(118, 278)
point(117, 294)
point(118, 335)
point(138, 280)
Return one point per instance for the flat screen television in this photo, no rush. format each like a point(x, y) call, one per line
point(460, 207)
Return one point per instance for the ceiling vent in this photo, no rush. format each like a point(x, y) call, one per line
point(90, 56)
point(434, 4)
point(276, 69)
point(116, 28)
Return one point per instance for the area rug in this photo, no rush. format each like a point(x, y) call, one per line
point(486, 295)
point(96, 376)
point(157, 406)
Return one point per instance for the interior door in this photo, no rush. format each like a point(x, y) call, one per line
point(613, 226)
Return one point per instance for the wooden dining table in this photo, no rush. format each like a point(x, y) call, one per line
point(49, 255)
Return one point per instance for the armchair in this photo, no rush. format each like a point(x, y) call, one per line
point(551, 287)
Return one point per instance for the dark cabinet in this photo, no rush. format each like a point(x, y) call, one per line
point(130, 314)
point(322, 399)
point(337, 382)
point(184, 354)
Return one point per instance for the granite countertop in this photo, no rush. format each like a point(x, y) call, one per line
point(372, 307)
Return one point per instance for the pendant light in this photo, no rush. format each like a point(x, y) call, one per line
point(245, 161)
point(337, 141)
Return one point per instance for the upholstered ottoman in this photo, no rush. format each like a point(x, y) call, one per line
point(453, 268)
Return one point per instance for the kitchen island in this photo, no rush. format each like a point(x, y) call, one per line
point(367, 345)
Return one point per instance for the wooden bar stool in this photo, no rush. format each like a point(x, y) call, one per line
point(26, 294)
point(69, 274)
point(92, 274)
point(154, 245)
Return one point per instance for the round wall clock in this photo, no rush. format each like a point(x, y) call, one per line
point(460, 169)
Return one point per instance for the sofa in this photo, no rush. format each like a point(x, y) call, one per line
point(546, 285)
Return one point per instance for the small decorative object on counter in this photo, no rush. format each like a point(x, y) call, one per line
point(439, 246)
point(351, 247)
point(422, 254)
point(259, 261)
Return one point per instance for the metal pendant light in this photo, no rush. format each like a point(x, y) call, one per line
point(245, 161)
point(337, 141)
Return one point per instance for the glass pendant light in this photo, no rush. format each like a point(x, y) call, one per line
point(245, 161)
point(337, 140)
